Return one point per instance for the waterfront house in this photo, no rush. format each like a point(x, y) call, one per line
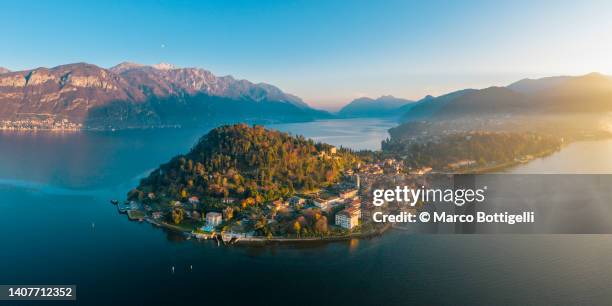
point(348, 218)
point(194, 200)
point(214, 218)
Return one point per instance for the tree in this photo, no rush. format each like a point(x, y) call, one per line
point(229, 213)
point(321, 225)
point(297, 227)
point(177, 215)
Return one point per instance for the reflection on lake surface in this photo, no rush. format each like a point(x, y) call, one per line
point(584, 157)
point(54, 186)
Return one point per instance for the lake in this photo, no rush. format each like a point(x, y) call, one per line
point(584, 157)
point(357, 134)
point(58, 227)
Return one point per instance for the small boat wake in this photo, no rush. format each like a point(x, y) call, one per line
point(46, 188)
point(120, 188)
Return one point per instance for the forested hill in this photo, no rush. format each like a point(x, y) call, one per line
point(248, 163)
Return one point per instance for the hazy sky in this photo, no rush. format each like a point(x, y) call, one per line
point(327, 52)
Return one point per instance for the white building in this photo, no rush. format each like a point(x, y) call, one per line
point(348, 218)
point(214, 218)
point(325, 204)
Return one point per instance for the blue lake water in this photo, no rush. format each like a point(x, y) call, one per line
point(357, 134)
point(57, 227)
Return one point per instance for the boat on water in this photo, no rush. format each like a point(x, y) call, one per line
point(114, 202)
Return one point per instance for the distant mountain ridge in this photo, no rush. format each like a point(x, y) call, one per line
point(589, 93)
point(132, 95)
point(381, 107)
point(165, 79)
point(4, 70)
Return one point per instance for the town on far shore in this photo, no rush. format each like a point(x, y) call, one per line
point(49, 123)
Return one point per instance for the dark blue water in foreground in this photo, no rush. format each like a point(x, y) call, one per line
point(53, 187)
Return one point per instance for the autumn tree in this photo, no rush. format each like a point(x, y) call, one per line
point(177, 215)
point(297, 228)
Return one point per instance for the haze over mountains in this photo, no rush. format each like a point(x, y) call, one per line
point(591, 93)
point(381, 107)
point(132, 95)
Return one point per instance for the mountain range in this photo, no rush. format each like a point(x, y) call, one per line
point(132, 95)
point(591, 93)
point(381, 107)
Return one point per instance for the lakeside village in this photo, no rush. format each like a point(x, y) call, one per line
point(341, 211)
point(47, 124)
point(248, 184)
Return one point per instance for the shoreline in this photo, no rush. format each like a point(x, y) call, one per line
point(512, 164)
point(288, 240)
point(262, 240)
point(508, 165)
point(180, 126)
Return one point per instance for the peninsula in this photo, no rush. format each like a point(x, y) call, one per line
point(248, 183)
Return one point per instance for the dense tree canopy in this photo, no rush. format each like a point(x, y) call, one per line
point(250, 163)
point(482, 147)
